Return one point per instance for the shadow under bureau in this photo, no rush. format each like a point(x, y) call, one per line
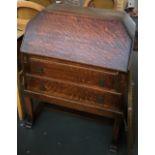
point(80, 59)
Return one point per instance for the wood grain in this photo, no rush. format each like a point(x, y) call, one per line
point(25, 11)
point(78, 58)
point(106, 4)
point(85, 76)
point(72, 91)
point(19, 106)
point(86, 40)
point(74, 104)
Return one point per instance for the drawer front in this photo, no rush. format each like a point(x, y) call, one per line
point(73, 92)
point(97, 78)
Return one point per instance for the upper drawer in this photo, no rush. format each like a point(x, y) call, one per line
point(72, 73)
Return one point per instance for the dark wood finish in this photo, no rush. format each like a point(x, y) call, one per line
point(130, 116)
point(116, 128)
point(73, 91)
point(98, 78)
point(29, 109)
point(79, 59)
point(86, 39)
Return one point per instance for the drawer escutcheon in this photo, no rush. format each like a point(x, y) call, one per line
point(100, 99)
point(42, 87)
point(39, 70)
point(102, 83)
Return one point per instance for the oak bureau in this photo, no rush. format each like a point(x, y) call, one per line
point(78, 58)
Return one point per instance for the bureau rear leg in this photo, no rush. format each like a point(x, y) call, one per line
point(115, 137)
point(29, 112)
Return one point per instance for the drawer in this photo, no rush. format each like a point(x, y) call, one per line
point(77, 74)
point(71, 91)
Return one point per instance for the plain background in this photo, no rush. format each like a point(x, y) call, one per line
point(8, 82)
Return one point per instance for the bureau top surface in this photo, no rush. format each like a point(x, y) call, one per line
point(86, 36)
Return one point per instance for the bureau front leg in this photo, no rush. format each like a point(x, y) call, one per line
point(115, 137)
point(29, 112)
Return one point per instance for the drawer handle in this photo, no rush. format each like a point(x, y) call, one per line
point(42, 87)
point(101, 83)
point(39, 70)
point(100, 99)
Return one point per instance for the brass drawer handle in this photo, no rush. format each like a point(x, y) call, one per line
point(100, 99)
point(102, 83)
point(42, 87)
point(40, 70)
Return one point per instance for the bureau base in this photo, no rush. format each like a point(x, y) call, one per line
point(28, 96)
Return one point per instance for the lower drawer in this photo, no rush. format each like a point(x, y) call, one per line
point(74, 92)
